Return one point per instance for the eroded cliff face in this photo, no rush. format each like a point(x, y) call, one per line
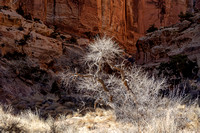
point(32, 56)
point(126, 20)
point(180, 39)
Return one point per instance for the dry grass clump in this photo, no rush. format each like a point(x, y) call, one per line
point(32, 123)
point(179, 118)
point(25, 122)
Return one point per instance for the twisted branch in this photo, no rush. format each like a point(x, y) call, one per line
point(101, 82)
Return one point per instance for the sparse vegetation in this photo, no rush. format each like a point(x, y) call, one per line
point(185, 16)
point(180, 67)
point(177, 118)
point(20, 11)
point(130, 93)
point(152, 28)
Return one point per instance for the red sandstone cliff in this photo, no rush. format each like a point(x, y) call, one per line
point(126, 20)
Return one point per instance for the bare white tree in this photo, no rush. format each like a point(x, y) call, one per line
point(14, 1)
point(129, 91)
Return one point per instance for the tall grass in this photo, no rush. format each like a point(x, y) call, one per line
point(173, 119)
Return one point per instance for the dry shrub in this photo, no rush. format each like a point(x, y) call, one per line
point(30, 122)
point(129, 91)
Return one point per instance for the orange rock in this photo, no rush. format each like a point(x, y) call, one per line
point(125, 20)
point(32, 39)
point(10, 18)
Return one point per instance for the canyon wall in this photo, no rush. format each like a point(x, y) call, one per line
point(125, 20)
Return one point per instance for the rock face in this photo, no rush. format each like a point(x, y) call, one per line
point(20, 35)
point(126, 20)
point(31, 54)
point(174, 53)
point(180, 39)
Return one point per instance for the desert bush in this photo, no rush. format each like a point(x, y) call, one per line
point(131, 92)
point(24, 122)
